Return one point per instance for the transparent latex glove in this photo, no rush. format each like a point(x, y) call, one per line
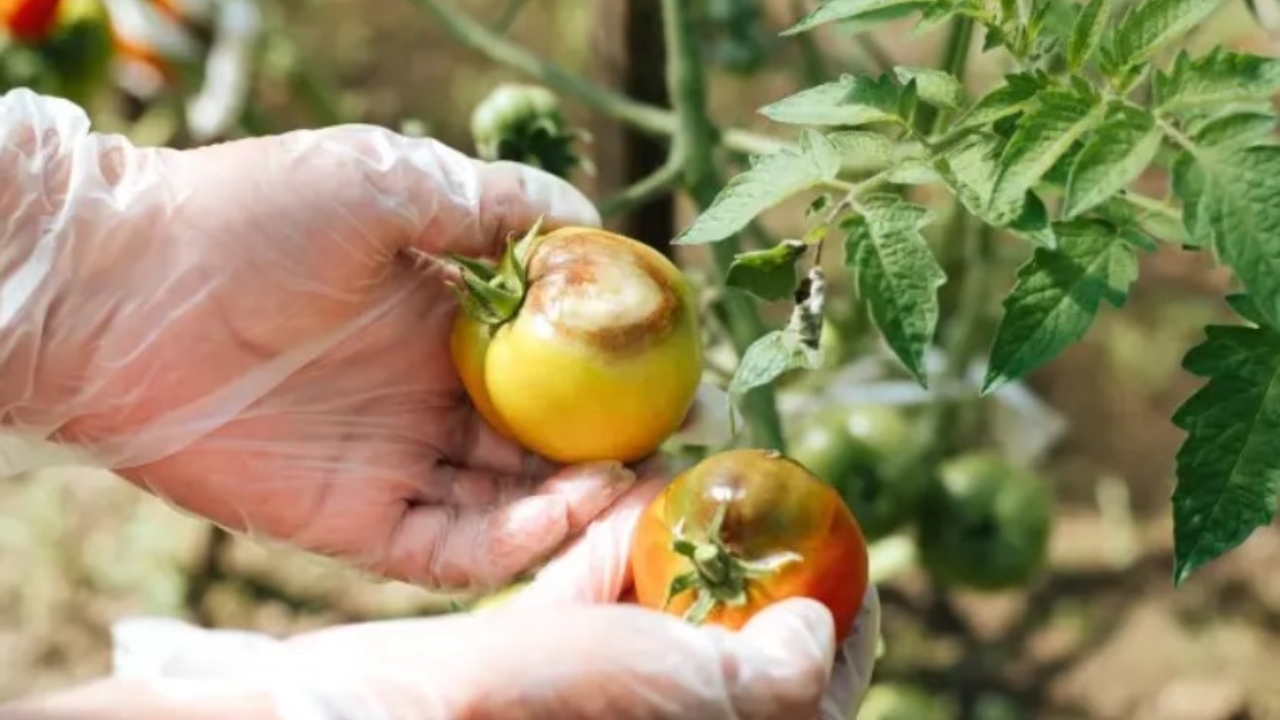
point(560, 650)
point(253, 332)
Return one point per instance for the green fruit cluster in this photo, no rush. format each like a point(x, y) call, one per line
point(979, 520)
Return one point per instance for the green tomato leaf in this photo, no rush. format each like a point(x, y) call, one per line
point(1044, 134)
point(1187, 182)
point(844, 10)
point(897, 275)
point(1144, 226)
point(1057, 296)
point(1215, 80)
point(1016, 95)
point(969, 169)
point(1086, 33)
point(771, 356)
point(935, 87)
point(770, 180)
point(1150, 24)
point(1113, 157)
point(862, 150)
point(849, 101)
point(1228, 468)
point(768, 274)
point(1229, 198)
point(1033, 223)
point(1235, 129)
point(913, 171)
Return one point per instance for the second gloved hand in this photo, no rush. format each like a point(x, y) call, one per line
point(561, 650)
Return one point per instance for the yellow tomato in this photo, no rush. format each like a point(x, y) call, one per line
point(602, 359)
point(499, 598)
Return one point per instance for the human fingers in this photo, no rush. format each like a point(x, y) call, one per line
point(474, 544)
point(400, 193)
point(594, 567)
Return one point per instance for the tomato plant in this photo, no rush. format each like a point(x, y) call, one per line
point(581, 344)
point(742, 529)
point(1105, 139)
point(985, 523)
point(866, 453)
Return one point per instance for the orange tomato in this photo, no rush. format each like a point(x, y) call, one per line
point(744, 529)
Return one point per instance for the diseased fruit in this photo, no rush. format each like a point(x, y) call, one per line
point(744, 529)
point(985, 523)
point(865, 452)
point(582, 345)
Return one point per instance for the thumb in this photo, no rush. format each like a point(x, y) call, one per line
point(784, 657)
point(595, 567)
point(478, 205)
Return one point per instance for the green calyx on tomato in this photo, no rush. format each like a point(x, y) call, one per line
point(717, 576)
point(866, 453)
point(985, 522)
point(492, 294)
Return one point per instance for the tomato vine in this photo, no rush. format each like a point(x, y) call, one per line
point(1091, 101)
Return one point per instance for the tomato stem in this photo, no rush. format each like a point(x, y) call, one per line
point(718, 576)
point(493, 294)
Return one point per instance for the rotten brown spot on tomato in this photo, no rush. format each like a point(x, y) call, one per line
point(602, 291)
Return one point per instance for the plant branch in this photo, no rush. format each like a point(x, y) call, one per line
point(694, 143)
point(1153, 205)
point(641, 116)
point(1176, 135)
point(651, 186)
point(509, 15)
point(955, 60)
point(967, 267)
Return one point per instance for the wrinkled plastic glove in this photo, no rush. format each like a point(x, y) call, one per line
point(560, 650)
point(254, 332)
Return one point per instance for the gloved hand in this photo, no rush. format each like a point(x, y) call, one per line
point(556, 651)
point(253, 331)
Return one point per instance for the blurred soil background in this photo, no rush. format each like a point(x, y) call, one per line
point(1102, 636)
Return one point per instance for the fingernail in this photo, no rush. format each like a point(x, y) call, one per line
point(590, 488)
point(562, 202)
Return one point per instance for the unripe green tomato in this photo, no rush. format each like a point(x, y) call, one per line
point(985, 523)
point(863, 451)
point(831, 345)
point(894, 701)
point(523, 123)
